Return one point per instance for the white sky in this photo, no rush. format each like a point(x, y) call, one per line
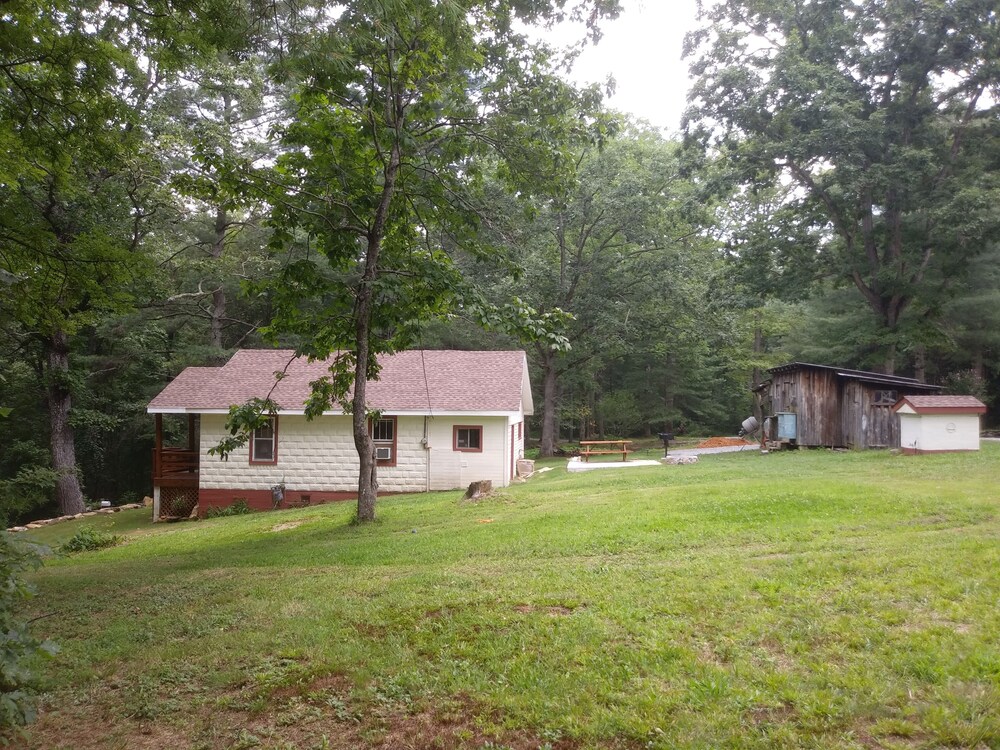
point(642, 51)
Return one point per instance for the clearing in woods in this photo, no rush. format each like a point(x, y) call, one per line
point(809, 599)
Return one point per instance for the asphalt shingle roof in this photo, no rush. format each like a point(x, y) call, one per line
point(944, 403)
point(420, 380)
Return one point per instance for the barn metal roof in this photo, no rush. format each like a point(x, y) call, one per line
point(876, 378)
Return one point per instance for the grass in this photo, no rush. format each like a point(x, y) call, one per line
point(796, 600)
point(122, 522)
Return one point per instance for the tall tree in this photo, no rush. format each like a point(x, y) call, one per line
point(881, 113)
point(612, 248)
point(222, 104)
point(72, 205)
point(79, 182)
point(399, 102)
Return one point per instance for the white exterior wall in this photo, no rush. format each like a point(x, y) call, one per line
point(939, 432)
point(451, 469)
point(317, 455)
point(519, 441)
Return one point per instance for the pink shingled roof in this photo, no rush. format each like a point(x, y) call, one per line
point(413, 380)
point(931, 404)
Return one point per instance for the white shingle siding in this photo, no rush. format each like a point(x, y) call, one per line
point(320, 456)
point(451, 468)
point(317, 455)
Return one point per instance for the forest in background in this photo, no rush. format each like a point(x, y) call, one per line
point(181, 179)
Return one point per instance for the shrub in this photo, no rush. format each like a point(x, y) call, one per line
point(17, 647)
point(238, 508)
point(88, 539)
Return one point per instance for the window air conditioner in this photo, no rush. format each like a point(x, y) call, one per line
point(383, 453)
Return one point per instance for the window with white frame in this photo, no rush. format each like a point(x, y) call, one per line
point(264, 443)
point(383, 431)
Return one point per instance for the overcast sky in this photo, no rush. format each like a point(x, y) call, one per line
point(642, 50)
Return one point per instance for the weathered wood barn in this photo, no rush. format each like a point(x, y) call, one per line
point(818, 405)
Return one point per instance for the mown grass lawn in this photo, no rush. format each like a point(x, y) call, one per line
point(797, 600)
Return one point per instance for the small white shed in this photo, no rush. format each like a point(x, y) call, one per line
point(939, 424)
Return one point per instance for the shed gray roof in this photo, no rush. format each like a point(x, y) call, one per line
point(876, 378)
point(423, 381)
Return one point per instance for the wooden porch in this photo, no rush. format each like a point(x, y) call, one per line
point(175, 473)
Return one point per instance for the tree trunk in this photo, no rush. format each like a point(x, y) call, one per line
point(978, 366)
point(62, 444)
point(549, 382)
point(920, 363)
point(218, 312)
point(367, 475)
point(758, 348)
point(219, 295)
point(363, 312)
point(889, 364)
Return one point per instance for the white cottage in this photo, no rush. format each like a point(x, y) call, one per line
point(447, 418)
point(939, 424)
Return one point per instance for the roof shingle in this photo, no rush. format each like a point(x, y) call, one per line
point(941, 404)
point(420, 380)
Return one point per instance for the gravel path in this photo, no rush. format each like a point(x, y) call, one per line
point(702, 451)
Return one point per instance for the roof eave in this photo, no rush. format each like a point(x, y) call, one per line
point(527, 402)
point(387, 412)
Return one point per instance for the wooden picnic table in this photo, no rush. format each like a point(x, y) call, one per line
point(590, 448)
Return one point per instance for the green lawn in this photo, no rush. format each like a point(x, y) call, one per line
point(797, 600)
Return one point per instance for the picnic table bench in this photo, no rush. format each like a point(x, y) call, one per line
point(590, 448)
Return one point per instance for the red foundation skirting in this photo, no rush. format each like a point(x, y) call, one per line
point(262, 499)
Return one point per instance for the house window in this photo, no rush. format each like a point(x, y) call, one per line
point(264, 443)
point(468, 438)
point(885, 398)
point(383, 432)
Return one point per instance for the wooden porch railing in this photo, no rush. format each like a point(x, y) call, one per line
point(170, 461)
point(175, 467)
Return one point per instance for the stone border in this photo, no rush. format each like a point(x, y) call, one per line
point(60, 519)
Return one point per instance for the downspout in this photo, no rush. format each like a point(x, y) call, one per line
point(425, 441)
point(430, 415)
point(508, 453)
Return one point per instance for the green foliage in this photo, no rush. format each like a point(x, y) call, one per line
point(89, 539)
point(880, 115)
point(396, 109)
point(243, 419)
point(19, 650)
point(238, 507)
point(620, 249)
point(619, 412)
point(967, 383)
point(29, 488)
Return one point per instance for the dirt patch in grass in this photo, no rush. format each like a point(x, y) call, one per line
point(932, 620)
point(770, 715)
point(371, 630)
point(79, 727)
point(708, 655)
point(309, 716)
point(286, 526)
point(774, 653)
point(553, 611)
